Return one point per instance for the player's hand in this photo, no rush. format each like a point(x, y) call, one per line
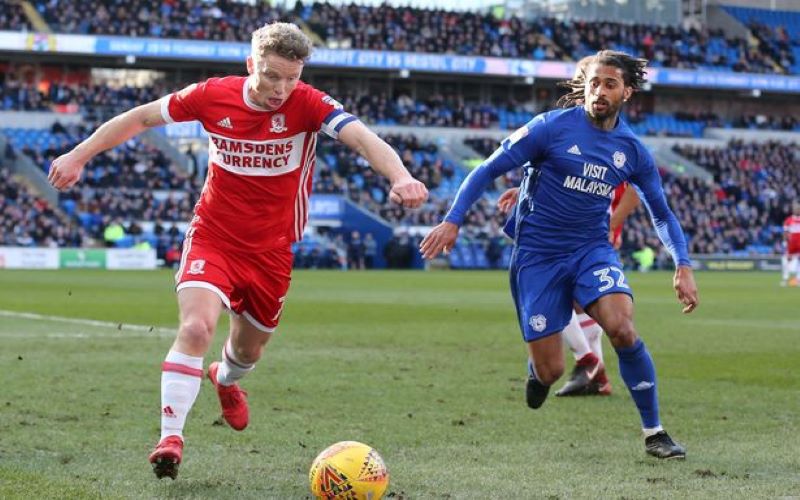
point(441, 239)
point(66, 170)
point(685, 288)
point(408, 192)
point(507, 200)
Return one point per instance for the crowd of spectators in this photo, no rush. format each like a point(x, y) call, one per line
point(133, 182)
point(418, 30)
point(434, 111)
point(430, 30)
point(777, 43)
point(344, 172)
point(98, 102)
point(220, 20)
point(28, 220)
point(13, 18)
point(740, 212)
point(93, 100)
point(438, 31)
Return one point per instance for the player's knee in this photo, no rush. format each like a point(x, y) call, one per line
point(622, 332)
point(248, 355)
point(197, 332)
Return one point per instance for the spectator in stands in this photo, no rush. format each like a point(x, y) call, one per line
point(355, 251)
point(370, 250)
point(113, 232)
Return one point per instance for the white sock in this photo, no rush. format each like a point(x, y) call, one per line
point(593, 334)
point(652, 430)
point(575, 339)
point(231, 370)
point(785, 267)
point(181, 375)
point(793, 267)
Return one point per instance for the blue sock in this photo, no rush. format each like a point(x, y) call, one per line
point(639, 374)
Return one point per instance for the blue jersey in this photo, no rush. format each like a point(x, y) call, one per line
point(564, 200)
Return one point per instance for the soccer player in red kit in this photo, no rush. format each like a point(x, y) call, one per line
point(237, 252)
point(791, 240)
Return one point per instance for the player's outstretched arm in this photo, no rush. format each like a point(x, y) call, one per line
point(405, 190)
point(627, 204)
point(441, 239)
point(66, 170)
point(686, 288)
point(508, 199)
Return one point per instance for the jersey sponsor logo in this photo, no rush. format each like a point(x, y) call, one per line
point(225, 122)
point(619, 159)
point(273, 157)
point(332, 102)
point(197, 267)
point(538, 323)
point(643, 386)
point(588, 186)
point(575, 150)
point(278, 124)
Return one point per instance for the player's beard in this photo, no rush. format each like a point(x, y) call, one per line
point(605, 118)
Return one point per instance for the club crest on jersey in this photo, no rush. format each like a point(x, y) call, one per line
point(197, 267)
point(538, 323)
point(278, 124)
point(619, 159)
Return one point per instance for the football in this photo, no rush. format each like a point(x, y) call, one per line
point(348, 470)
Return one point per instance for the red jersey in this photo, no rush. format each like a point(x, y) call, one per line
point(261, 162)
point(618, 192)
point(791, 228)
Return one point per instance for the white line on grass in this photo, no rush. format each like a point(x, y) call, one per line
point(125, 327)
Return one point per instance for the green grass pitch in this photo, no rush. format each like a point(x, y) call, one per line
point(426, 367)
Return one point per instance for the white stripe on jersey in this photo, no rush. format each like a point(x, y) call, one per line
point(301, 201)
point(165, 109)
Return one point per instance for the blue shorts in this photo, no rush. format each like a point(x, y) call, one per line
point(545, 286)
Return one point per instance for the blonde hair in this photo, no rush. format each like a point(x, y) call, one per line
point(282, 39)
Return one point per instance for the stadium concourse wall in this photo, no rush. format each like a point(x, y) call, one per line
point(77, 258)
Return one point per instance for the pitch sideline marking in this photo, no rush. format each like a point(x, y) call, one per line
point(88, 322)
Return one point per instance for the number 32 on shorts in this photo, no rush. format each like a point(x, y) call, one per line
point(606, 278)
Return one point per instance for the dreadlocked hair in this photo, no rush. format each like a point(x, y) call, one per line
point(633, 74)
point(574, 86)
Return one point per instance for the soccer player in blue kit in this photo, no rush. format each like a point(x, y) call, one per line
point(561, 249)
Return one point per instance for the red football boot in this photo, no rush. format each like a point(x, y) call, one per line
point(232, 399)
point(167, 457)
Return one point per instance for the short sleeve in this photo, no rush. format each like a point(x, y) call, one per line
point(326, 113)
point(184, 105)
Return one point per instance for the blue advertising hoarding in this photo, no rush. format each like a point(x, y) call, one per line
point(203, 50)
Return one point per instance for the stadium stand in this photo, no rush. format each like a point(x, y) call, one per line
point(139, 189)
point(13, 18)
point(433, 31)
point(778, 31)
point(28, 220)
point(222, 20)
